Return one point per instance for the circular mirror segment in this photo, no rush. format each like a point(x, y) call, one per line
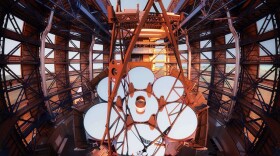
point(95, 121)
point(169, 87)
point(102, 89)
point(133, 143)
point(142, 104)
point(183, 118)
point(138, 112)
point(140, 77)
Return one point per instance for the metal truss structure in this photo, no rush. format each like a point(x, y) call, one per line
point(257, 90)
point(30, 108)
point(23, 101)
point(125, 43)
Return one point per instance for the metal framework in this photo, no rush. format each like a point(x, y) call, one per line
point(118, 69)
point(42, 60)
point(23, 97)
point(237, 64)
point(256, 88)
point(23, 115)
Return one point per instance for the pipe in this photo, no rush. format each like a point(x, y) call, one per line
point(237, 65)
point(189, 56)
point(42, 65)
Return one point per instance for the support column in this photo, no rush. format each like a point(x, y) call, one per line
point(42, 65)
point(122, 68)
point(90, 61)
point(90, 57)
point(237, 65)
point(189, 56)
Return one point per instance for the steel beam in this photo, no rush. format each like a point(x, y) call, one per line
point(90, 57)
point(179, 5)
point(173, 40)
point(189, 56)
point(123, 69)
point(237, 65)
point(102, 7)
point(269, 121)
point(92, 18)
point(7, 125)
point(42, 60)
point(192, 14)
point(90, 61)
point(28, 40)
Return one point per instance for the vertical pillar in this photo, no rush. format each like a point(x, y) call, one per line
point(237, 65)
point(122, 70)
point(42, 60)
point(90, 57)
point(189, 56)
point(90, 60)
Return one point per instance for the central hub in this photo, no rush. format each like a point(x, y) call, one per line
point(140, 104)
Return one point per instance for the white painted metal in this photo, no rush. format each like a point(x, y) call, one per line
point(189, 56)
point(90, 61)
point(237, 64)
point(42, 60)
point(90, 58)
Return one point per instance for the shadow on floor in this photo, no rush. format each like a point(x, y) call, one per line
point(69, 149)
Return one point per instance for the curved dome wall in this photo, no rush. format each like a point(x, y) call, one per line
point(255, 120)
point(25, 120)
